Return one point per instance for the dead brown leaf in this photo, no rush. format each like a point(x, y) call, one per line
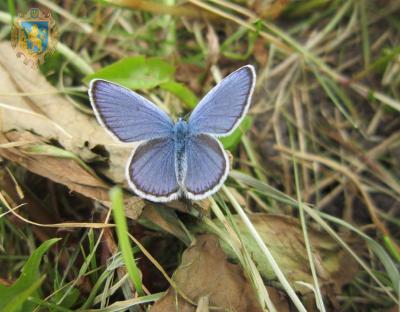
point(60, 170)
point(205, 272)
point(284, 237)
point(65, 171)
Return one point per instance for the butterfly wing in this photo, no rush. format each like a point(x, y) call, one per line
point(151, 170)
point(223, 108)
point(207, 166)
point(127, 115)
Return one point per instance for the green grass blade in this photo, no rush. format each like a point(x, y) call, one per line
point(52, 306)
point(14, 297)
point(317, 290)
point(11, 8)
point(123, 238)
point(364, 32)
point(17, 301)
point(390, 246)
point(126, 304)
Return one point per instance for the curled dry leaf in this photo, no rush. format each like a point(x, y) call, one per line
point(64, 170)
point(206, 273)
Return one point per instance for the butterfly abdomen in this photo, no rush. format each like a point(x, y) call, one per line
point(181, 133)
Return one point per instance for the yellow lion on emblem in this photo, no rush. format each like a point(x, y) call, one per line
point(35, 37)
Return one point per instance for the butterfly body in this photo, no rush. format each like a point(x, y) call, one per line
point(181, 159)
point(181, 136)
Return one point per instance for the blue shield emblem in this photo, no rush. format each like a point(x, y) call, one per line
point(34, 36)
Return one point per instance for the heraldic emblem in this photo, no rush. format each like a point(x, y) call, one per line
point(34, 36)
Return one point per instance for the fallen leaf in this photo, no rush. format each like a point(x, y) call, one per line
point(279, 299)
point(206, 272)
point(60, 170)
point(63, 170)
point(284, 237)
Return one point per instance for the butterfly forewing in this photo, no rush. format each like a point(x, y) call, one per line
point(127, 115)
point(207, 166)
point(222, 109)
point(151, 170)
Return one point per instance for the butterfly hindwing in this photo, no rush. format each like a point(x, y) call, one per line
point(207, 166)
point(222, 109)
point(127, 115)
point(151, 170)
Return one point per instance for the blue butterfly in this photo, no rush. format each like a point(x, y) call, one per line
point(181, 159)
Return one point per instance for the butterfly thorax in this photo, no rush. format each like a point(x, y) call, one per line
point(181, 135)
point(181, 130)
